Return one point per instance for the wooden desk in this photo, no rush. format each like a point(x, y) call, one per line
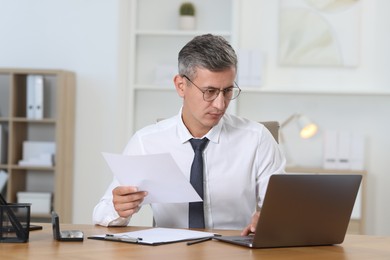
point(42, 246)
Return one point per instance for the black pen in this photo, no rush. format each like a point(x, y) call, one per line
point(198, 241)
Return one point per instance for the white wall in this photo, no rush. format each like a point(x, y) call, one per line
point(89, 38)
point(366, 114)
point(259, 29)
point(84, 37)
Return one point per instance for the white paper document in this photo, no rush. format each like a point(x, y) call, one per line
point(158, 174)
point(155, 236)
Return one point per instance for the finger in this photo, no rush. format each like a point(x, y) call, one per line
point(253, 228)
point(124, 190)
point(134, 198)
point(246, 231)
point(127, 213)
point(127, 209)
point(129, 197)
point(254, 221)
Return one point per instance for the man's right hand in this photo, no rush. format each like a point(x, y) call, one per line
point(127, 199)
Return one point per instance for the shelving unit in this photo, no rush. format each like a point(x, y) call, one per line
point(357, 222)
point(57, 125)
point(155, 42)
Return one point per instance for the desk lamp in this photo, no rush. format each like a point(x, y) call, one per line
point(307, 128)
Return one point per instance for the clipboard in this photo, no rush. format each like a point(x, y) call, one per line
point(155, 236)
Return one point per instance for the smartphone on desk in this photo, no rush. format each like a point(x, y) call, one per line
point(66, 235)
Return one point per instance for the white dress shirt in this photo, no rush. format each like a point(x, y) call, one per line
point(238, 161)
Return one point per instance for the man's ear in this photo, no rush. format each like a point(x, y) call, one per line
point(179, 82)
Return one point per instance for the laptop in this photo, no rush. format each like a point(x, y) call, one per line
point(303, 210)
point(66, 235)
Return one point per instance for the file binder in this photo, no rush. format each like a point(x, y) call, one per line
point(30, 97)
point(343, 150)
point(344, 144)
point(38, 95)
point(3, 145)
point(330, 150)
point(3, 180)
point(34, 91)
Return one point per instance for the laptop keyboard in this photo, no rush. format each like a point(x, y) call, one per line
point(246, 239)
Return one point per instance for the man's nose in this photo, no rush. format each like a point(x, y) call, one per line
point(219, 102)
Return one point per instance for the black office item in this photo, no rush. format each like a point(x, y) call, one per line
point(67, 235)
point(14, 221)
point(303, 210)
point(197, 241)
point(35, 227)
point(196, 213)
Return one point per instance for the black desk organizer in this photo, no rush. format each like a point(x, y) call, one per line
point(14, 222)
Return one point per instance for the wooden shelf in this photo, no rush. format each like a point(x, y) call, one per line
point(322, 170)
point(32, 168)
point(57, 126)
point(35, 121)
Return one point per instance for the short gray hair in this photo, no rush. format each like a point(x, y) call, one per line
point(206, 51)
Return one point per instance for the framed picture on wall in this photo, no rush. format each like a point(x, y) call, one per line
point(319, 32)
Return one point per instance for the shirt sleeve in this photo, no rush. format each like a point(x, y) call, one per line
point(104, 213)
point(271, 161)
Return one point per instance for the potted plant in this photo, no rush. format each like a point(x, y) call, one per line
point(187, 16)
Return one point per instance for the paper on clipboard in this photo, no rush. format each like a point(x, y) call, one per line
point(158, 174)
point(156, 236)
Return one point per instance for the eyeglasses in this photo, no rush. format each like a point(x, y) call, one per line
point(210, 93)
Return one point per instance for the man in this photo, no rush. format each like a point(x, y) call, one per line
point(238, 158)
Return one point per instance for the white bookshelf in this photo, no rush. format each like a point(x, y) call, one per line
point(155, 41)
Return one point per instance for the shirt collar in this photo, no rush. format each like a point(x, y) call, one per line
point(184, 135)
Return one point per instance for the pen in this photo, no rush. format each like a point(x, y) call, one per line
point(198, 241)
